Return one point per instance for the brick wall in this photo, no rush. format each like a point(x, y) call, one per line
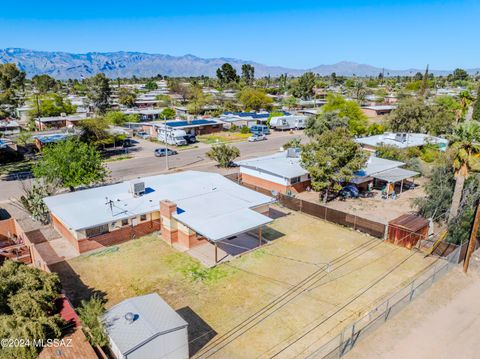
point(260, 182)
point(60, 228)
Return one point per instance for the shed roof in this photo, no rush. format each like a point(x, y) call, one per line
point(152, 317)
point(376, 164)
point(410, 222)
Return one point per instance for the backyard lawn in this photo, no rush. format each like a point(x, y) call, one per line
point(223, 137)
point(316, 275)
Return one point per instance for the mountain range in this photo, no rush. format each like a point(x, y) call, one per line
point(63, 65)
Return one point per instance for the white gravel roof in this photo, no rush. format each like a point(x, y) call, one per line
point(277, 164)
point(201, 198)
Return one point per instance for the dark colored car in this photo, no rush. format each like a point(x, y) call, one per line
point(190, 138)
point(349, 191)
point(161, 152)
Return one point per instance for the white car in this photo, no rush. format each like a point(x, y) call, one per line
point(257, 137)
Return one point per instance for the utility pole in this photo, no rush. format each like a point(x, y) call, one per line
point(473, 238)
point(165, 140)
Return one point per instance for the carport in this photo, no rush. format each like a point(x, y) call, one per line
point(395, 175)
point(227, 226)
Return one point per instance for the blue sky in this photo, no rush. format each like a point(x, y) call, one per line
point(300, 34)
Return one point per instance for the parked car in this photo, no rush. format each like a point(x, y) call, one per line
point(349, 191)
point(143, 135)
point(162, 152)
point(257, 137)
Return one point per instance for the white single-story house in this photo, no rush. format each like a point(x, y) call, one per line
point(401, 140)
point(378, 110)
point(146, 327)
point(189, 208)
point(280, 172)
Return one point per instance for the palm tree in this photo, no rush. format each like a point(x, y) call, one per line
point(466, 152)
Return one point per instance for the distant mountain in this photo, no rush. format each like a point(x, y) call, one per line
point(63, 65)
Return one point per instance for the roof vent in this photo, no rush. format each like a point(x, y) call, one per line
point(130, 317)
point(137, 188)
point(293, 152)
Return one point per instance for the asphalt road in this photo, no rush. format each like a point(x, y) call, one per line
point(146, 164)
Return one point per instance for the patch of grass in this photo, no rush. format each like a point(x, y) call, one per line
point(223, 137)
point(118, 158)
point(193, 270)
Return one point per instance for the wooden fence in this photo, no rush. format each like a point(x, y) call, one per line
point(360, 224)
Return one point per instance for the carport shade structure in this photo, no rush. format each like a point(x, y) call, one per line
point(395, 175)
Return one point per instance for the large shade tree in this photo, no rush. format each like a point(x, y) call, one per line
point(466, 150)
point(331, 159)
point(70, 163)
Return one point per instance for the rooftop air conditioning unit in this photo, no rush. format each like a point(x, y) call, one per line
point(293, 152)
point(137, 188)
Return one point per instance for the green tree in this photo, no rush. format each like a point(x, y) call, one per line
point(118, 118)
point(324, 121)
point(289, 102)
point(52, 105)
point(357, 120)
point(151, 85)
point(304, 86)
point(226, 74)
point(27, 310)
point(169, 113)
point(44, 83)
point(70, 163)
point(460, 75)
point(439, 193)
point(126, 97)
point(248, 74)
point(465, 149)
point(198, 100)
point(253, 99)
point(91, 313)
point(293, 143)
point(32, 201)
point(11, 77)
point(100, 92)
point(476, 107)
point(224, 154)
point(411, 115)
point(331, 159)
point(390, 152)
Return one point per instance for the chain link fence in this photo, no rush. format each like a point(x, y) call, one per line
point(352, 333)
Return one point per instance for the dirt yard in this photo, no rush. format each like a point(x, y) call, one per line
point(283, 299)
point(441, 323)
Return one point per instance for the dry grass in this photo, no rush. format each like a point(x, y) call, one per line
point(231, 293)
point(223, 137)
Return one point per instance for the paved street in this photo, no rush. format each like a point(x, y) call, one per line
point(145, 163)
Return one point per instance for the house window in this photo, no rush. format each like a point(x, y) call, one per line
point(96, 231)
point(124, 222)
point(143, 217)
point(294, 180)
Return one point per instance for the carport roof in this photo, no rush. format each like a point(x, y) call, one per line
point(395, 175)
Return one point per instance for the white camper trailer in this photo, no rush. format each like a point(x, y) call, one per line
point(172, 137)
point(288, 122)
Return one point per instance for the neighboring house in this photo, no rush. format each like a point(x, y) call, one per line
point(381, 172)
point(147, 114)
point(188, 207)
point(280, 172)
point(23, 113)
point(9, 127)
point(42, 140)
point(56, 122)
point(192, 127)
point(401, 140)
point(378, 110)
point(248, 118)
point(146, 327)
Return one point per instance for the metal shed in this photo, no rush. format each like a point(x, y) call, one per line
point(407, 230)
point(146, 327)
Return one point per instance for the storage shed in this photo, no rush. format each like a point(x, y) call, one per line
point(146, 327)
point(407, 230)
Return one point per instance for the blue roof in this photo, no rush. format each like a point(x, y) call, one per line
point(254, 114)
point(190, 123)
point(51, 138)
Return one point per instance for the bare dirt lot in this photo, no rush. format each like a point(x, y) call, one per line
point(442, 323)
point(281, 300)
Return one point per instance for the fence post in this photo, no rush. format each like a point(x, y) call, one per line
point(354, 223)
point(387, 310)
point(412, 291)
